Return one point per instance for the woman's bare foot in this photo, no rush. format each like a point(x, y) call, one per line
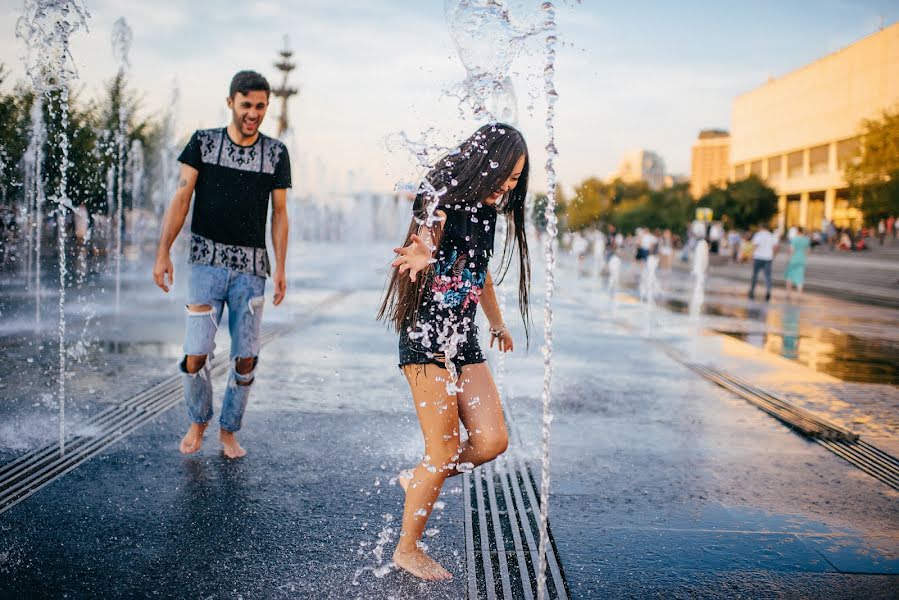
point(230, 446)
point(420, 564)
point(404, 478)
point(193, 439)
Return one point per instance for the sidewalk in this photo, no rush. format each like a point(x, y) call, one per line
point(869, 276)
point(662, 483)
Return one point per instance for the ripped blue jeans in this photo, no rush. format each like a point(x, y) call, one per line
point(244, 295)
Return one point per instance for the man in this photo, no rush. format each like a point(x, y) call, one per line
point(234, 170)
point(764, 245)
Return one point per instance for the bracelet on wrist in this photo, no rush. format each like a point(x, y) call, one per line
point(498, 332)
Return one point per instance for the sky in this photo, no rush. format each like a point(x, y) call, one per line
point(629, 75)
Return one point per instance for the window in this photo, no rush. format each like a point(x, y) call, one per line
point(755, 168)
point(739, 172)
point(774, 165)
point(794, 164)
point(819, 159)
point(847, 150)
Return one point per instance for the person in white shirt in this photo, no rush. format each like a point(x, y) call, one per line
point(765, 245)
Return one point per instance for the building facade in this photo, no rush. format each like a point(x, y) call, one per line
point(641, 165)
point(710, 161)
point(798, 132)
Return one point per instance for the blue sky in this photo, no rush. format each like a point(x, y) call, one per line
point(630, 74)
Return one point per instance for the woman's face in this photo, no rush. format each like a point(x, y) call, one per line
point(509, 184)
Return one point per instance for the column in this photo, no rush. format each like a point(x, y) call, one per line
point(781, 213)
point(803, 203)
point(830, 200)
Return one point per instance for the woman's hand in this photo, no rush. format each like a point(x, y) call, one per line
point(503, 339)
point(413, 258)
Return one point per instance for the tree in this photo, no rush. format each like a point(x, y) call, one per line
point(591, 205)
point(743, 204)
point(539, 215)
point(874, 175)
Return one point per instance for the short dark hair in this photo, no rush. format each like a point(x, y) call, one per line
point(249, 81)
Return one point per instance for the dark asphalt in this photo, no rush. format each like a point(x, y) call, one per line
point(662, 484)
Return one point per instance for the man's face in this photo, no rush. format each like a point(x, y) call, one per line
point(247, 111)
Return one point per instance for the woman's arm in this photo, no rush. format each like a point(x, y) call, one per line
point(498, 330)
point(419, 254)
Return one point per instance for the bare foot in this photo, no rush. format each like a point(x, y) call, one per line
point(404, 478)
point(420, 564)
point(193, 439)
point(230, 446)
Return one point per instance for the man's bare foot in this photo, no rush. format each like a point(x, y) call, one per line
point(404, 478)
point(193, 439)
point(420, 564)
point(230, 446)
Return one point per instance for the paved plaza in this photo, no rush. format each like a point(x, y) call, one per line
point(664, 483)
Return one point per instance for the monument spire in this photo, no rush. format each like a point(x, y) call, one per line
point(285, 64)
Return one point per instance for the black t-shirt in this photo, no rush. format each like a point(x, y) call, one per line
point(234, 185)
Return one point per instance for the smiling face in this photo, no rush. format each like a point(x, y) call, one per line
point(248, 110)
point(509, 184)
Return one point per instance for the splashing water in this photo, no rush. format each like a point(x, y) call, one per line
point(549, 14)
point(700, 266)
point(121, 44)
point(489, 36)
point(649, 287)
point(35, 196)
point(46, 28)
point(614, 278)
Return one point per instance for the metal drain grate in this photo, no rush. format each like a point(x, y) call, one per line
point(842, 442)
point(502, 536)
point(24, 476)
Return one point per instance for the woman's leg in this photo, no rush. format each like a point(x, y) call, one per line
point(438, 416)
point(482, 414)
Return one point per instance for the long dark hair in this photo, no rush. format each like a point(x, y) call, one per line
point(466, 176)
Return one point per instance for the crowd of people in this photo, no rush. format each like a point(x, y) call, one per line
point(757, 246)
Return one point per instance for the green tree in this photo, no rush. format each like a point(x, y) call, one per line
point(14, 107)
point(743, 204)
point(539, 213)
point(592, 204)
point(874, 175)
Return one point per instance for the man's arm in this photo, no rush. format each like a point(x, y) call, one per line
point(171, 227)
point(279, 240)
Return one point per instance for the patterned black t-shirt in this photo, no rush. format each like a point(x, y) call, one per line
point(234, 185)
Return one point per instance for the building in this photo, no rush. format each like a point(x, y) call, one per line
point(798, 131)
point(710, 162)
point(641, 165)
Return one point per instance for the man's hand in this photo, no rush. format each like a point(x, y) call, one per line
point(280, 281)
point(413, 258)
point(162, 269)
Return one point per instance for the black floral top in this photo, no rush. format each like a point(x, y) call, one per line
point(445, 327)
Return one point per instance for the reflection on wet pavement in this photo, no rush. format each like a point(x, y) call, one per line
point(781, 330)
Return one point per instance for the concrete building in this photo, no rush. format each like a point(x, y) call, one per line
point(641, 165)
point(710, 161)
point(799, 131)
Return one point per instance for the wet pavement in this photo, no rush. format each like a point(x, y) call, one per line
point(663, 484)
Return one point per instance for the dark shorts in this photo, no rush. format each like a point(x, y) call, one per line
point(413, 353)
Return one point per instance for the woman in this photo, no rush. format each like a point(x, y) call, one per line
point(440, 276)
point(795, 273)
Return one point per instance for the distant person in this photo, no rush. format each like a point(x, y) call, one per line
point(891, 226)
point(716, 234)
point(734, 240)
point(646, 244)
point(236, 170)
point(765, 245)
point(795, 273)
point(881, 230)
